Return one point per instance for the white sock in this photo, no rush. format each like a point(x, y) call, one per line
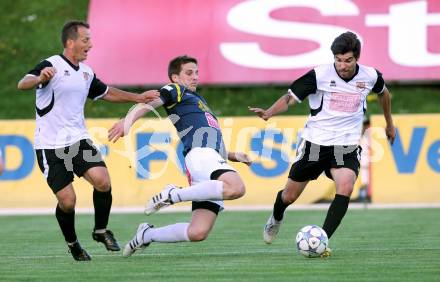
point(177, 232)
point(207, 190)
point(99, 231)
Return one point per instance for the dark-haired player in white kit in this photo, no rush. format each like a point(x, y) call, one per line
point(211, 178)
point(62, 143)
point(329, 142)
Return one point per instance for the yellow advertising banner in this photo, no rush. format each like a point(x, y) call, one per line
point(408, 171)
point(150, 157)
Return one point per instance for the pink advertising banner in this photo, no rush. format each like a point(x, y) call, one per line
point(259, 41)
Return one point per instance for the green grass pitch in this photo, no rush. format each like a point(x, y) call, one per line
point(370, 245)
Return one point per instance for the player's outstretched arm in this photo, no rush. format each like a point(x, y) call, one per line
point(281, 105)
point(116, 95)
point(239, 157)
point(122, 127)
point(31, 81)
point(385, 102)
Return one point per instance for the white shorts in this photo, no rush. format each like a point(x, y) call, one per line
point(200, 163)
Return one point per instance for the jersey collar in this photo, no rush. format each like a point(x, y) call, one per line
point(69, 62)
point(347, 79)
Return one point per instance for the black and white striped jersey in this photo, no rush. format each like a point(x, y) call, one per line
point(60, 102)
point(337, 106)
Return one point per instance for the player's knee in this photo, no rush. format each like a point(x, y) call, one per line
point(345, 188)
point(197, 234)
point(233, 190)
point(68, 205)
point(102, 184)
point(289, 196)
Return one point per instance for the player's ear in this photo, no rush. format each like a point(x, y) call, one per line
point(175, 78)
point(69, 43)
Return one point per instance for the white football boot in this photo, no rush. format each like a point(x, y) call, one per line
point(271, 230)
point(137, 243)
point(161, 200)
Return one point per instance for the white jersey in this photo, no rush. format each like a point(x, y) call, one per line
point(60, 102)
point(337, 106)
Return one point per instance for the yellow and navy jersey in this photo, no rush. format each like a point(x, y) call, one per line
point(195, 123)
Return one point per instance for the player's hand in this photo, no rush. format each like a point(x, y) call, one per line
point(148, 96)
point(390, 131)
point(260, 112)
point(117, 131)
point(240, 157)
point(46, 74)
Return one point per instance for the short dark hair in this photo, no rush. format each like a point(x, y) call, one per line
point(70, 30)
point(346, 42)
point(175, 65)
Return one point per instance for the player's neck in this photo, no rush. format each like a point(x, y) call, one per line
point(70, 57)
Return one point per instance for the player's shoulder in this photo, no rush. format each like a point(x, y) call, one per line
point(52, 60)
point(324, 67)
point(368, 71)
point(85, 67)
point(173, 87)
point(324, 71)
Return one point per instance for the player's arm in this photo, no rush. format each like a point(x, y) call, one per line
point(385, 101)
point(239, 157)
point(116, 95)
point(384, 97)
point(298, 91)
point(280, 106)
point(37, 77)
point(122, 127)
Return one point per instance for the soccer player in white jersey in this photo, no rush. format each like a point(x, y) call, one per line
point(211, 178)
point(62, 143)
point(329, 143)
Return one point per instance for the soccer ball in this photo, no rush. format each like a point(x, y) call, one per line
point(311, 241)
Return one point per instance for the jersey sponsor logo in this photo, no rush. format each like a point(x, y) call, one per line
point(360, 85)
point(66, 73)
point(344, 102)
point(212, 121)
point(86, 75)
point(332, 83)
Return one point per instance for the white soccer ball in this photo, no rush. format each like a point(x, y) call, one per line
point(311, 241)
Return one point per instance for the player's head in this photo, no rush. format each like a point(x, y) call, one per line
point(184, 71)
point(346, 50)
point(75, 37)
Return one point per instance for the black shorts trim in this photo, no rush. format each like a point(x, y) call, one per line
point(217, 173)
point(215, 208)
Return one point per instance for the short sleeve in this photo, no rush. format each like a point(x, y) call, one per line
point(379, 86)
point(97, 88)
point(39, 67)
point(171, 94)
point(37, 70)
point(304, 86)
